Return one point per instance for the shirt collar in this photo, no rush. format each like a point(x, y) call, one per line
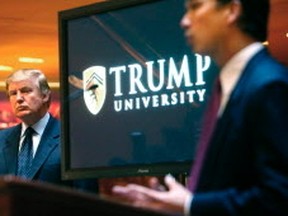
point(233, 68)
point(38, 127)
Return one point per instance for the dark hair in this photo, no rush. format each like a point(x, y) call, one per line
point(254, 17)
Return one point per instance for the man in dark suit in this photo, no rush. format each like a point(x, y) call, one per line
point(30, 97)
point(244, 170)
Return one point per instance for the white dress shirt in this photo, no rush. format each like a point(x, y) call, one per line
point(39, 128)
point(233, 69)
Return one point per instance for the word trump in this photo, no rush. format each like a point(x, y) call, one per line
point(167, 85)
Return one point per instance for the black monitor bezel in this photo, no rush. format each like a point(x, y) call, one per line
point(129, 170)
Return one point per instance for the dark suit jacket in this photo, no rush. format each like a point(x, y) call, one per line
point(46, 165)
point(246, 167)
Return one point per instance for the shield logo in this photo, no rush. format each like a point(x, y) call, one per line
point(94, 88)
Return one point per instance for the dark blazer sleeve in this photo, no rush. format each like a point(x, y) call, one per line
point(246, 172)
point(9, 139)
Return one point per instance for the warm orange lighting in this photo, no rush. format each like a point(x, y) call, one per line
point(31, 60)
point(5, 68)
point(287, 34)
point(265, 43)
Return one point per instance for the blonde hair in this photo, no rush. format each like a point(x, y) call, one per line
point(36, 74)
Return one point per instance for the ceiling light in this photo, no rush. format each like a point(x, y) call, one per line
point(31, 60)
point(54, 85)
point(5, 68)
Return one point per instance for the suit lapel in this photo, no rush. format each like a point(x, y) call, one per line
point(49, 141)
point(244, 84)
point(11, 149)
point(224, 125)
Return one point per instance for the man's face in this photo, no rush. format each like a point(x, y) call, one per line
point(204, 25)
point(26, 100)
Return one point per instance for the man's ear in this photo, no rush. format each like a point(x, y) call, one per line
point(46, 97)
point(234, 11)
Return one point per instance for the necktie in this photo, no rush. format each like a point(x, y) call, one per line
point(209, 123)
point(25, 155)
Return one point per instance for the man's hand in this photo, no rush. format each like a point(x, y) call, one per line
point(172, 200)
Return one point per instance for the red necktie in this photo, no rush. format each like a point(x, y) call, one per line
point(209, 123)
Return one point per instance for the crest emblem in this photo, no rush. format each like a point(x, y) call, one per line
point(94, 88)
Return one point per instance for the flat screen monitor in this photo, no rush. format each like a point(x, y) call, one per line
point(132, 91)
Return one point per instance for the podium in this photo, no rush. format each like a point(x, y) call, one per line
point(26, 198)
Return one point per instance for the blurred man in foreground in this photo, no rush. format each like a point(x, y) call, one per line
point(241, 166)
